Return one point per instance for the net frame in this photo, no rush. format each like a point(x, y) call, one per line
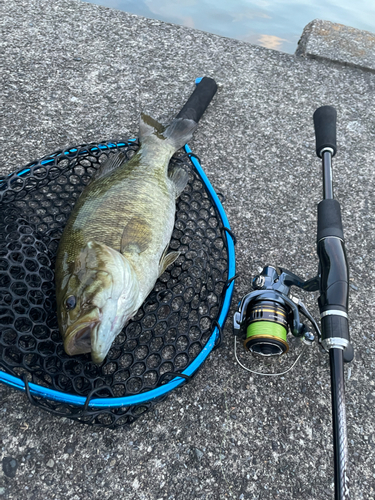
point(124, 409)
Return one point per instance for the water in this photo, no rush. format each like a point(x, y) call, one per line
point(275, 24)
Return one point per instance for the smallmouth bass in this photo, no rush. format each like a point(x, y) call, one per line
point(114, 245)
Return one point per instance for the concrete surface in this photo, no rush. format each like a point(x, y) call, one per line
point(74, 72)
point(336, 42)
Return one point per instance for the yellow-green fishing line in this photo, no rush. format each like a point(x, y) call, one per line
point(266, 328)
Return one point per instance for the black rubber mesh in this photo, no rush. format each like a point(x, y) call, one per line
point(169, 330)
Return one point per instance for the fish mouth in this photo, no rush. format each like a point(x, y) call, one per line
point(81, 338)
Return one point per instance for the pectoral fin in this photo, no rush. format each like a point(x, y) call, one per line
point(136, 237)
point(166, 260)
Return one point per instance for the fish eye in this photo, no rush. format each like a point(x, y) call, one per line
point(71, 302)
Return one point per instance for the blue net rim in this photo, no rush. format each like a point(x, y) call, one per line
point(159, 392)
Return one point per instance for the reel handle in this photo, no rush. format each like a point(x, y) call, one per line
point(325, 129)
point(199, 100)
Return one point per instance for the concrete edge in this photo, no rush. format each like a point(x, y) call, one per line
point(333, 42)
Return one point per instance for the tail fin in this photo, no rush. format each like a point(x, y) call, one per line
point(180, 131)
point(177, 133)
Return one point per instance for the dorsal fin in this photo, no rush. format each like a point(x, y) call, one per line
point(113, 162)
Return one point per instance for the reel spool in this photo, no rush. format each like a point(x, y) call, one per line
point(267, 328)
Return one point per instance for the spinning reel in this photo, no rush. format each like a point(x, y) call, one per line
point(266, 314)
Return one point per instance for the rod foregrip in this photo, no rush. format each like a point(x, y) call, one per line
point(334, 269)
point(199, 100)
point(325, 129)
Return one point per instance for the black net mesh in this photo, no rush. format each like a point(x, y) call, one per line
point(169, 330)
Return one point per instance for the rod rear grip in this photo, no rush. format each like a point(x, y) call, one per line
point(325, 129)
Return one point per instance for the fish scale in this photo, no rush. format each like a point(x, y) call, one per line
point(127, 198)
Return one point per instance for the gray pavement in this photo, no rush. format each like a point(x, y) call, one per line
point(75, 72)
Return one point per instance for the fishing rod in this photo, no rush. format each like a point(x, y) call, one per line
point(265, 315)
